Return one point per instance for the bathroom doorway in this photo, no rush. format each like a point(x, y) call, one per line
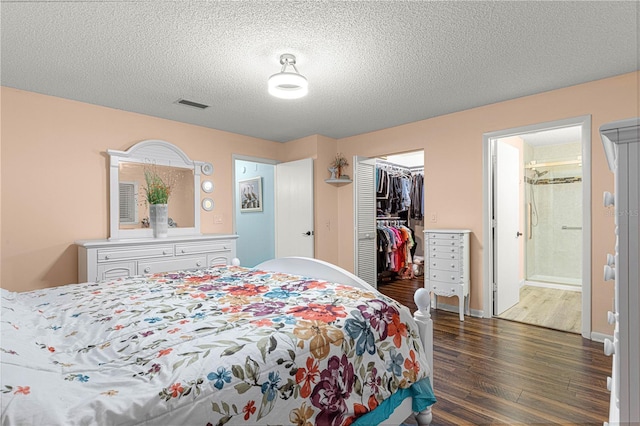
point(540, 274)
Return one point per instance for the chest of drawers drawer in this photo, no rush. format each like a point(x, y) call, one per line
point(445, 276)
point(186, 249)
point(452, 265)
point(442, 289)
point(142, 252)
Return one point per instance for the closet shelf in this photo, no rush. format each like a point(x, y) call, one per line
point(338, 182)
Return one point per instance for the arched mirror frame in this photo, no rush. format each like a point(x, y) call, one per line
point(150, 152)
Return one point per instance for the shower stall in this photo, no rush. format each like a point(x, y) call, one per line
point(553, 209)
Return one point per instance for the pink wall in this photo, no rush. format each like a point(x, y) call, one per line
point(53, 151)
point(55, 178)
point(453, 167)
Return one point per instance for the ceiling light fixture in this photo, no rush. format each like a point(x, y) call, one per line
point(288, 85)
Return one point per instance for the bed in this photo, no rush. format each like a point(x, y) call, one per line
point(292, 341)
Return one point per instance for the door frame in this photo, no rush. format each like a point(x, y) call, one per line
point(488, 152)
point(234, 192)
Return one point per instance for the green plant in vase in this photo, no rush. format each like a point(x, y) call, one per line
point(157, 192)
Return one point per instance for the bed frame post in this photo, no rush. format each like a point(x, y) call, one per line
point(425, 328)
point(425, 324)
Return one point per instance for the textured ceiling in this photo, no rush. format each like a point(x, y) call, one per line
point(370, 65)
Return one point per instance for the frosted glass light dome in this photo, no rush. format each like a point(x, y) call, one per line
point(288, 85)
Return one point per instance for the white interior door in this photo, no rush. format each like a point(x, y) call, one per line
point(364, 172)
point(507, 232)
point(294, 208)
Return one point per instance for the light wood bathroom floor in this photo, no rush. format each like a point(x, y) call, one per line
point(548, 307)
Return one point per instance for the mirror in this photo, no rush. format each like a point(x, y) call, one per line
point(133, 203)
point(129, 211)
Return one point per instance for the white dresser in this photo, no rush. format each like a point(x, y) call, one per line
point(106, 259)
point(446, 268)
point(621, 142)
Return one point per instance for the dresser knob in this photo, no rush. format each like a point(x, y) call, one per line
point(453, 265)
point(453, 243)
point(453, 256)
point(609, 199)
point(609, 273)
point(611, 317)
point(453, 249)
point(147, 270)
point(609, 347)
point(106, 258)
point(453, 277)
point(609, 383)
point(453, 236)
point(434, 263)
point(434, 249)
point(182, 251)
point(198, 263)
point(164, 252)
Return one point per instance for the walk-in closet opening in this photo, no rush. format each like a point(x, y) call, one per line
point(389, 205)
point(399, 216)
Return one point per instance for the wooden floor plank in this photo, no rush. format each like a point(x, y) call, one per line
point(494, 371)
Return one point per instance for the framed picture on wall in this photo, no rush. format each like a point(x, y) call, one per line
point(250, 194)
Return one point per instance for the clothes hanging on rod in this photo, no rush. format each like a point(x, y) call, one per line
point(394, 241)
point(393, 188)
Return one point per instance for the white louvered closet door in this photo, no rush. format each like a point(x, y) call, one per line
point(365, 219)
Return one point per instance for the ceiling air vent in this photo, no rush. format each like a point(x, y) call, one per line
point(191, 104)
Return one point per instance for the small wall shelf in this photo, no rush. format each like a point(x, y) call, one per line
point(338, 182)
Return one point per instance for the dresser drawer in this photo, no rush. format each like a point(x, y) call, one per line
point(445, 254)
point(443, 236)
point(444, 289)
point(445, 276)
point(175, 264)
point(445, 265)
point(444, 250)
point(444, 243)
point(140, 252)
point(209, 247)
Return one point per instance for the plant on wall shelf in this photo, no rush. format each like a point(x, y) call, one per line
point(339, 162)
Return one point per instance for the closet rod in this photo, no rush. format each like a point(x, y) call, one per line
point(390, 164)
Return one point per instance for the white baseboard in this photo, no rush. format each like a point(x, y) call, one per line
point(567, 287)
point(454, 308)
point(599, 337)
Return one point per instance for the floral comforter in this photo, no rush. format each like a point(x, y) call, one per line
point(225, 345)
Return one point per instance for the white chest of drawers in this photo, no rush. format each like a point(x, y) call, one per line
point(106, 259)
point(447, 265)
point(621, 142)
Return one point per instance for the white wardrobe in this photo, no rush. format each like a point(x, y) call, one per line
point(621, 140)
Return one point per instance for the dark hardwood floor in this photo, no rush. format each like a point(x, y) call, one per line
point(494, 371)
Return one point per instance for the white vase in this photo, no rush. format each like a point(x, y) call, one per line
point(159, 219)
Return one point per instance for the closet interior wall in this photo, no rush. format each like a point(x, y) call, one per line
point(399, 216)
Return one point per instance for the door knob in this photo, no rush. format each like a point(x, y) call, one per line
point(308, 233)
point(518, 234)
